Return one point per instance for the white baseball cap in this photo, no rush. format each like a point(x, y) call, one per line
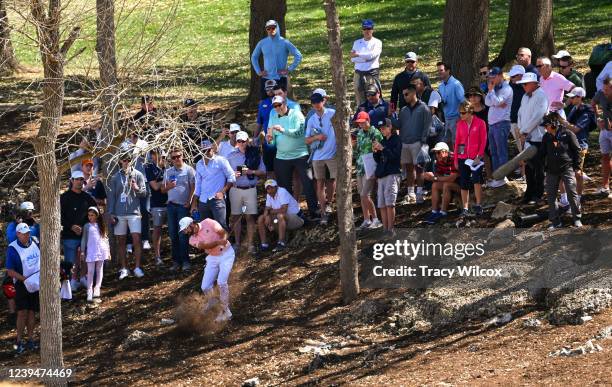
point(516, 70)
point(234, 128)
point(270, 183)
point(320, 91)
point(77, 175)
point(577, 92)
point(184, 223)
point(441, 146)
point(242, 136)
point(561, 54)
point(271, 23)
point(278, 99)
point(22, 228)
point(410, 56)
point(529, 77)
point(27, 206)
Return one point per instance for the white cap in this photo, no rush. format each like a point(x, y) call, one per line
point(94, 209)
point(561, 54)
point(23, 228)
point(271, 23)
point(77, 175)
point(27, 206)
point(577, 92)
point(516, 70)
point(234, 128)
point(184, 223)
point(529, 77)
point(320, 91)
point(410, 56)
point(242, 136)
point(441, 146)
point(278, 99)
point(270, 183)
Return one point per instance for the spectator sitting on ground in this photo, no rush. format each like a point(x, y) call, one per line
point(225, 147)
point(366, 135)
point(387, 154)
point(444, 179)
point(248, 166)
point(321, 138)
point(24, 214)
point(603, 99)
point(126, 188)
point(561, 154)
point(282, 214)
point(403, 79)
point(374, 105)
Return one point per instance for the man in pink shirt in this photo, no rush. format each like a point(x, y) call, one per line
point(553, 84)
point(210, 236)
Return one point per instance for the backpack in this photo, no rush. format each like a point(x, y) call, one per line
point(252, 157)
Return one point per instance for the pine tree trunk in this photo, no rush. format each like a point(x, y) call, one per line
point(8, 62)
point(530, 25)
point(105, 48)
point(349, 269)
point(465, 42)
point(261, 12)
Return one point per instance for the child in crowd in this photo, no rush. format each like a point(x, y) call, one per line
point(387, 154)
point(365, 184)
point(94, 250)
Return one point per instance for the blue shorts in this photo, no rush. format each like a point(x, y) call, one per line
point(70, 249)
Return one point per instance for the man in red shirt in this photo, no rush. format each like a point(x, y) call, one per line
point(444, 182)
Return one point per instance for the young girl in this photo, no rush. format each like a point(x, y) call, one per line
point(94, 250)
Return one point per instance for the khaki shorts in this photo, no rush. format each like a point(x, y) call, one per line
point(388, 187)
point(243, 197)
point(159, 215)
point(410, 152)
point(583, 153)
point(365, 186)
point(133, 222)
point(293, 221)
point(319, 168)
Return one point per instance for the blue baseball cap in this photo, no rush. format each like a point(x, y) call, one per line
point(367, 23)
point(494, 72)
point(206, 144)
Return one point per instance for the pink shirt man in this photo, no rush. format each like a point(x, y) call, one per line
point(554, 86)
point(210, 231)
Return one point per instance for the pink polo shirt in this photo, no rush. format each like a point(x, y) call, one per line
point(209, 232)
point(554, 86)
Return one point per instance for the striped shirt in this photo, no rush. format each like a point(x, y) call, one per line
point(446, 167)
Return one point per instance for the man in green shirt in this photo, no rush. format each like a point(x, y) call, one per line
point(286, 132)
point(566, 68)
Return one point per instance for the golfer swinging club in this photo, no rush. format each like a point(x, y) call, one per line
point(208, 235)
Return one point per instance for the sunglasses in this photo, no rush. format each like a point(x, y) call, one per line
point(79, 178)
point(538, 66)
point(483, 72)
point(367, 29)
point(563, 67)
point(271, 28)
point(176, 157)
point(410, 61)
point(277, 105)
point(240, 141)
point(126, 160)
point(463, 112)
point(372, 94)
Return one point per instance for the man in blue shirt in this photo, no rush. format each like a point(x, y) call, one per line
point(263, 115)
point(452, 93)
point(375, 106)
point(275, 50)
point(23, 262)
point(321, 138)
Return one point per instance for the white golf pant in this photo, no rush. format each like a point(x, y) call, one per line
point(218, 268)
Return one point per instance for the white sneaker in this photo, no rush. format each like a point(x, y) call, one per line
point(577, 223)
point(129, 248)
point(146, 245)
point(225, 315)
point(602, 190)
point(96, 293)
point(496, 183)
point(89, 295)
point(158, 261)
point(366, 224)
point(138, 272)
point(375, 224)
point(419, 198)
point(123, 273)
point(411, 197)
point(74, 285)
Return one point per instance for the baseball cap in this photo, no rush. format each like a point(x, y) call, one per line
point(278, 99)
point(234, 128)
point(320, 91)
point(87, 161)
point(372, 89)
point(441, 146)
point(316, 98)
point(367, 23)
point(270, 23)
point(410, 56)
point(242, 136)
point(77, 175)
point(529, 77)
point(562, 54)
point(386, 123)
point(189, 102)
point(269, 85)
point(495, 71)
point(184, 223)
point(516, 70)
point(206, 144)
point(22, 228)
point(27, 206)
point(362, 117)
point(577, 92)
point(270, 183)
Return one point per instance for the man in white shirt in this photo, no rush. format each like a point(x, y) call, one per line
point(282, 213)
point(225, 147)
point(366, 56)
